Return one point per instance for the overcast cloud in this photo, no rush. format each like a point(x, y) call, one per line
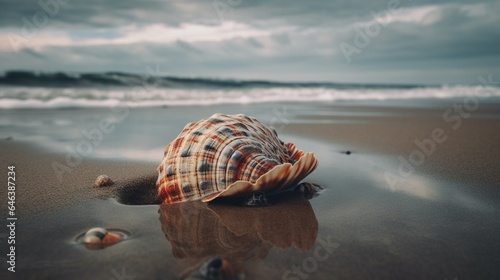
point(431, 42)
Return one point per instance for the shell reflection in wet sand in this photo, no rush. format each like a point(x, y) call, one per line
point(199, 232)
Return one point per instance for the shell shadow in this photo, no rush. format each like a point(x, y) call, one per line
point(199, 231)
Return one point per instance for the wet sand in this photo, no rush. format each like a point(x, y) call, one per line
point(437, 219)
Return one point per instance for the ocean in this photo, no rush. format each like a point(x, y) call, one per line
point(34, 90)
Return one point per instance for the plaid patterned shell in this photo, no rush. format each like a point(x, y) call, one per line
point(226, 155)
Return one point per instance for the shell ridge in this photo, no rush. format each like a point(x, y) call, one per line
point(222, 140)
point(293, 175)
point(173, 147)
point(229, 174)
point(259, 167)
point(241, 142)
point(199, 154)
point(219, 157)
point(179, 172)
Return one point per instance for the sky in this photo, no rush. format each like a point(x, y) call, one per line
point(350, 41)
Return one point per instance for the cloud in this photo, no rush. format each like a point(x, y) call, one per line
point(132, 34)
point(254, 43)
point(280, 39)
point(436, 33)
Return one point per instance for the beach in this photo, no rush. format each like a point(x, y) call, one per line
point(334, 140)
point(411, 191)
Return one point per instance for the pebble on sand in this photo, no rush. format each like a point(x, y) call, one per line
point(103, 181)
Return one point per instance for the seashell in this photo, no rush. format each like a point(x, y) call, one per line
point(229, 155)
point(101, 236)
point(103, 181)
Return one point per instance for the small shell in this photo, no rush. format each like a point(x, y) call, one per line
point(229, 155)
point(103, 181)
point(101, 236)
